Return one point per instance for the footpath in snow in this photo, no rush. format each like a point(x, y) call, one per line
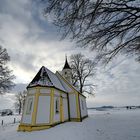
point(100, 125)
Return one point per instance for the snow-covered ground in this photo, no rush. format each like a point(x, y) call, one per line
point(111, 124)
point(9, 119)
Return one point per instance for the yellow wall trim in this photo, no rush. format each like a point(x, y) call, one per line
point(61, 109)
point(75, 119)
point(40, 124)
point(29, 128)
point(52, 106)
point(32, 128)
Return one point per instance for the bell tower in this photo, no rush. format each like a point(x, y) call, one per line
point(67, 71)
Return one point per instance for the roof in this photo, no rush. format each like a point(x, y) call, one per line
point(66, 66)
point(67, 85)
point(45, 77)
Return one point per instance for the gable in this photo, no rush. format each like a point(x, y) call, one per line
point(41, 78)
point(46, 78)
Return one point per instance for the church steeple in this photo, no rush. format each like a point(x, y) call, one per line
point(67, 71)
point(66, 66)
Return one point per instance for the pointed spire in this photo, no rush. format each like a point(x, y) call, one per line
point(66, 66)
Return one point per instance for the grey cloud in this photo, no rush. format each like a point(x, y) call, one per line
point(123, 87)
point(20, 87)
point(25, 61)
point(32, 42)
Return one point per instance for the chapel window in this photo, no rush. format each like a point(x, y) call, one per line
point(29, 106)
point(57, 105)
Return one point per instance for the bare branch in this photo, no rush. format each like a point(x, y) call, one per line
point(107, 26)
point(82, 69)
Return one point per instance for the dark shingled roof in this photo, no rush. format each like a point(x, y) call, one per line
point(66, 66)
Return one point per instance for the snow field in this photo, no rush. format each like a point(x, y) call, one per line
point(9, 119)
point(100, 125)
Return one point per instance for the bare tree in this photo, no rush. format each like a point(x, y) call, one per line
point(6, 76)
point(107, 26)
point(20, 100)
point(82, 70)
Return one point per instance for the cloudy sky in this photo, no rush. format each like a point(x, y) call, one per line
point(32, 41)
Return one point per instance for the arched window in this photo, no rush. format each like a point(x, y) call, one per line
point(57, 105)
point(29, 106)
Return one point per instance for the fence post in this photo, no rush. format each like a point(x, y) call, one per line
point(2, 122)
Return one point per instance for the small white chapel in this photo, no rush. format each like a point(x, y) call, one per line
point(51, 100)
